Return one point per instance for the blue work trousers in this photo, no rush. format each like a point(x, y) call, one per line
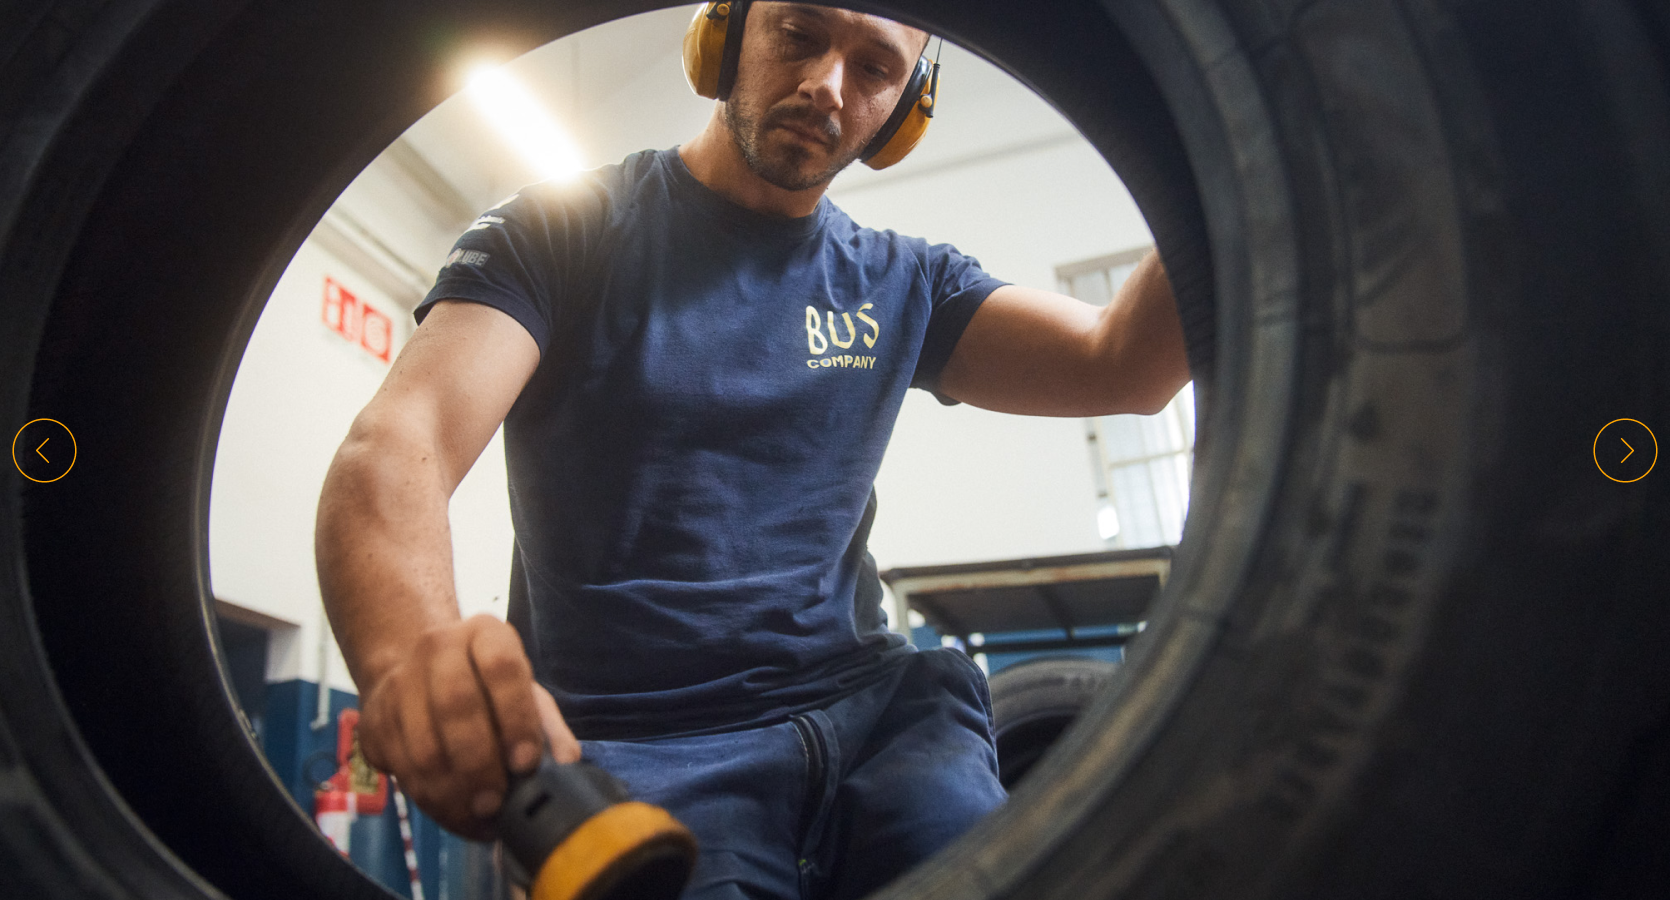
point(835, 802)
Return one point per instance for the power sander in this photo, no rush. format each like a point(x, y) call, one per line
point(577, 835)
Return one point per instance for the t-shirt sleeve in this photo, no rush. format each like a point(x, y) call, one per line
point(958, 287)
point(523, 257)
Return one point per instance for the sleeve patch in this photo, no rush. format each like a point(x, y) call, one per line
point(464, 257)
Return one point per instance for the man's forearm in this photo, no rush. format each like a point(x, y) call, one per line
point(384, 551)
point(1041, 353)
point(1141, 340)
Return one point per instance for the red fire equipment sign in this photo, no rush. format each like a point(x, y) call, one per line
point(358, 322)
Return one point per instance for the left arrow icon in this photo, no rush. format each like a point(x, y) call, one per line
point(29, 450)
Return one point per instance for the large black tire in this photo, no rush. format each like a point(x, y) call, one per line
point(1410, 642)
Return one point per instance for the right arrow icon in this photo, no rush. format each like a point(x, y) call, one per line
point(1634, 435)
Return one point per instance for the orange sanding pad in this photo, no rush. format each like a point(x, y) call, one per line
point(605, 847)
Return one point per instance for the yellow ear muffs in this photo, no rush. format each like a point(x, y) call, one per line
point(713, 42)
point(909, 122)
point(711, 45)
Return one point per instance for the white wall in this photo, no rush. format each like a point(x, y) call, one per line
point(297, 391)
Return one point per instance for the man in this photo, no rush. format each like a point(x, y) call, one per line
point(698, 361)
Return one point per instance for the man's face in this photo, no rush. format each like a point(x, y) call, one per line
point(813, 86)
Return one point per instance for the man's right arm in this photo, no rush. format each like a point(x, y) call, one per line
point(447, 704)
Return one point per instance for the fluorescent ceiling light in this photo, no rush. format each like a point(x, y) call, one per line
point(524, 123)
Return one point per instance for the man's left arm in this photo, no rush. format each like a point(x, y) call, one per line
point(1044, 354)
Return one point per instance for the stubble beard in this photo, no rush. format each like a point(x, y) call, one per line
point(783, 167)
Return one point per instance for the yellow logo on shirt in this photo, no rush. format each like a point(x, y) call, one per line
point(818, 343)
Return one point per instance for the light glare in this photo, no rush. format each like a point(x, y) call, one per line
point(1107, 522)
point(524, 123)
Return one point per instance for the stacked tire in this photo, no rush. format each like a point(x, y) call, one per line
point(1035, 701)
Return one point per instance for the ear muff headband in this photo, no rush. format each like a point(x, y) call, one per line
point(713, 43)
point(732, 50)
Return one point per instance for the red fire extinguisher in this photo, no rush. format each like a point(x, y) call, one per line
point(355, 790)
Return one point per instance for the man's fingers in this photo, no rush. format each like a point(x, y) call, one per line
point(380, 735)
point(564, 748)
point(461, 710)
point(464, 724)
point(501, 666)
point(416, 736)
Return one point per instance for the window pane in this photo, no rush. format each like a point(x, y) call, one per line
point(1116, 276)
point(1092, 287)
point(1121, 438)
point(1133, 497)
point(1171, 495)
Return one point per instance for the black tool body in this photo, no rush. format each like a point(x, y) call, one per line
point(612, 847)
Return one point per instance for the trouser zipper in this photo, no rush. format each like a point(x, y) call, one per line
point(816, 756)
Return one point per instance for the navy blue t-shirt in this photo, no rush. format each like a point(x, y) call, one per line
point(692, 464)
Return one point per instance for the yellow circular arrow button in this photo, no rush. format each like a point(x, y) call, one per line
point(43, 450)
point(1625, 450)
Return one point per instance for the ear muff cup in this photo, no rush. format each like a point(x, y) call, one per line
point(713, 43)
point(704, 43)
point(909, 121)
